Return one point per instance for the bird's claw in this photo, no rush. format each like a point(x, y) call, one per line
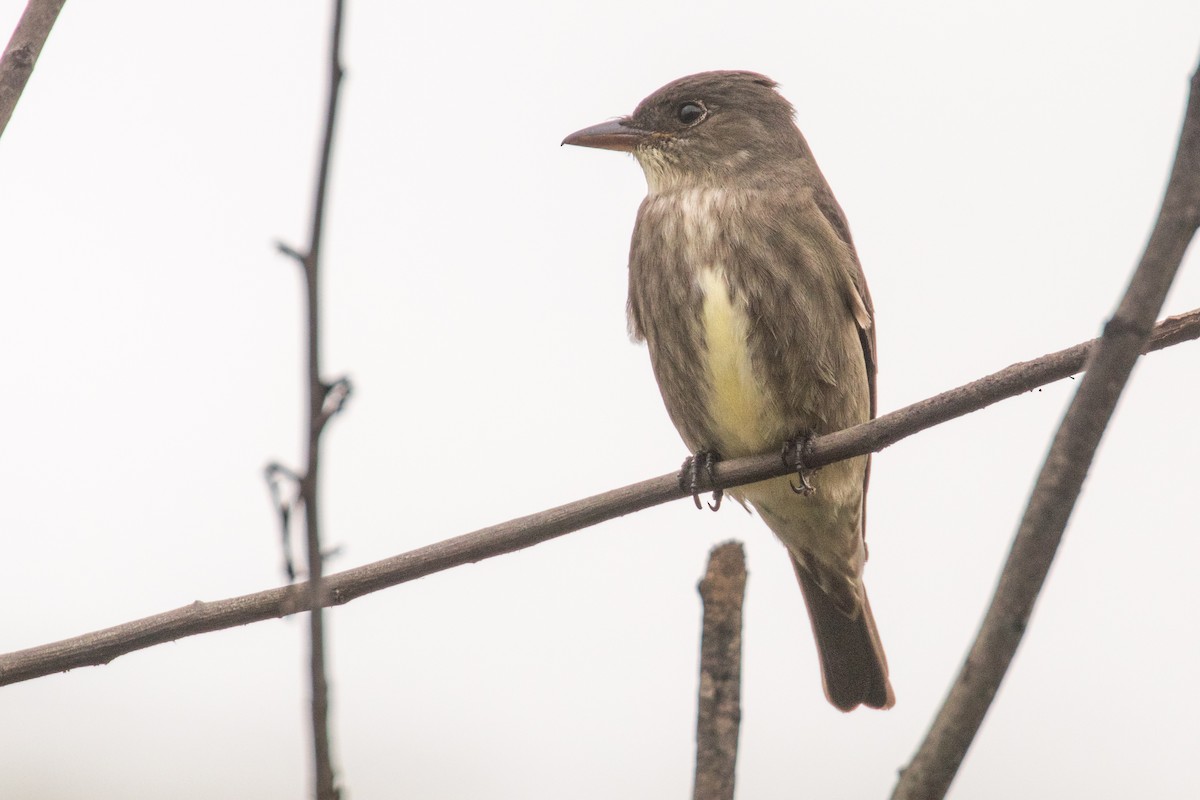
point(805, 488)
point(793, 454)
point(689, 477)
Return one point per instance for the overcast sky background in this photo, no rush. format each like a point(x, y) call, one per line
point(1000, 170)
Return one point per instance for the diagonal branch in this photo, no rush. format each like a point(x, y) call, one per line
point(22, 53)
point(1111, 361)
point(103, 646)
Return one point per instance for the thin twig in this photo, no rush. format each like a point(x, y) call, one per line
point(325, 786)
point(933, 768)
point(21, 54)
point(275, 473)
point(291, 252)
point(324, 400)
point(103, 646)
point(719, 712)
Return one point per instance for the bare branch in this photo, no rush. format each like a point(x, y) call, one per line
point(335, 396)
point(1111, 360)
point(22, 53)
point(291, 252)
point(324, 401)
point(103, 646)
point(275, 473)
point(719, 712)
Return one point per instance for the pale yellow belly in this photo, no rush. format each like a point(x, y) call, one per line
point(745, 420)
point(822, 530)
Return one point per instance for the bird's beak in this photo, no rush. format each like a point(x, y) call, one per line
point(617, 134)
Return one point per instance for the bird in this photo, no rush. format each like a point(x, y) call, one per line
point(745, 284)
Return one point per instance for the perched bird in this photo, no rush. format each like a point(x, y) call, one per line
point(745, 284)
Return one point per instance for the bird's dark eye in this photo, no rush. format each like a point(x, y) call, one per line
point(691, 113)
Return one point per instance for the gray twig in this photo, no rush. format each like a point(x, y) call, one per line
point(324, 400)
point(22, 51)
point(1111, 360)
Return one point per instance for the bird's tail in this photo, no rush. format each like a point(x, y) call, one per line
point(853, 667)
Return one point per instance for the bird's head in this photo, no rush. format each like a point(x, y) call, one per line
point(705, 130)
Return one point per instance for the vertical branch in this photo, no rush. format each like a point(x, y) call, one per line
point(937, 762)
point(317, 396)
point(22, 53)
point(720, 710)
point(324, 401)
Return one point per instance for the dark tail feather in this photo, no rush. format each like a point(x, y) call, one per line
point(853, 667)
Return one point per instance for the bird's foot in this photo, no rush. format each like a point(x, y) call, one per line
point(793, 455)
point(699, 468)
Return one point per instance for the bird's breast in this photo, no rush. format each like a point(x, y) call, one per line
point(685, 301)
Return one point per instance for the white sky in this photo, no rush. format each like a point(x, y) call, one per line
point(1000, 169)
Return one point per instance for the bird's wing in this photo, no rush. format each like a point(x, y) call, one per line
point(829, 207)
